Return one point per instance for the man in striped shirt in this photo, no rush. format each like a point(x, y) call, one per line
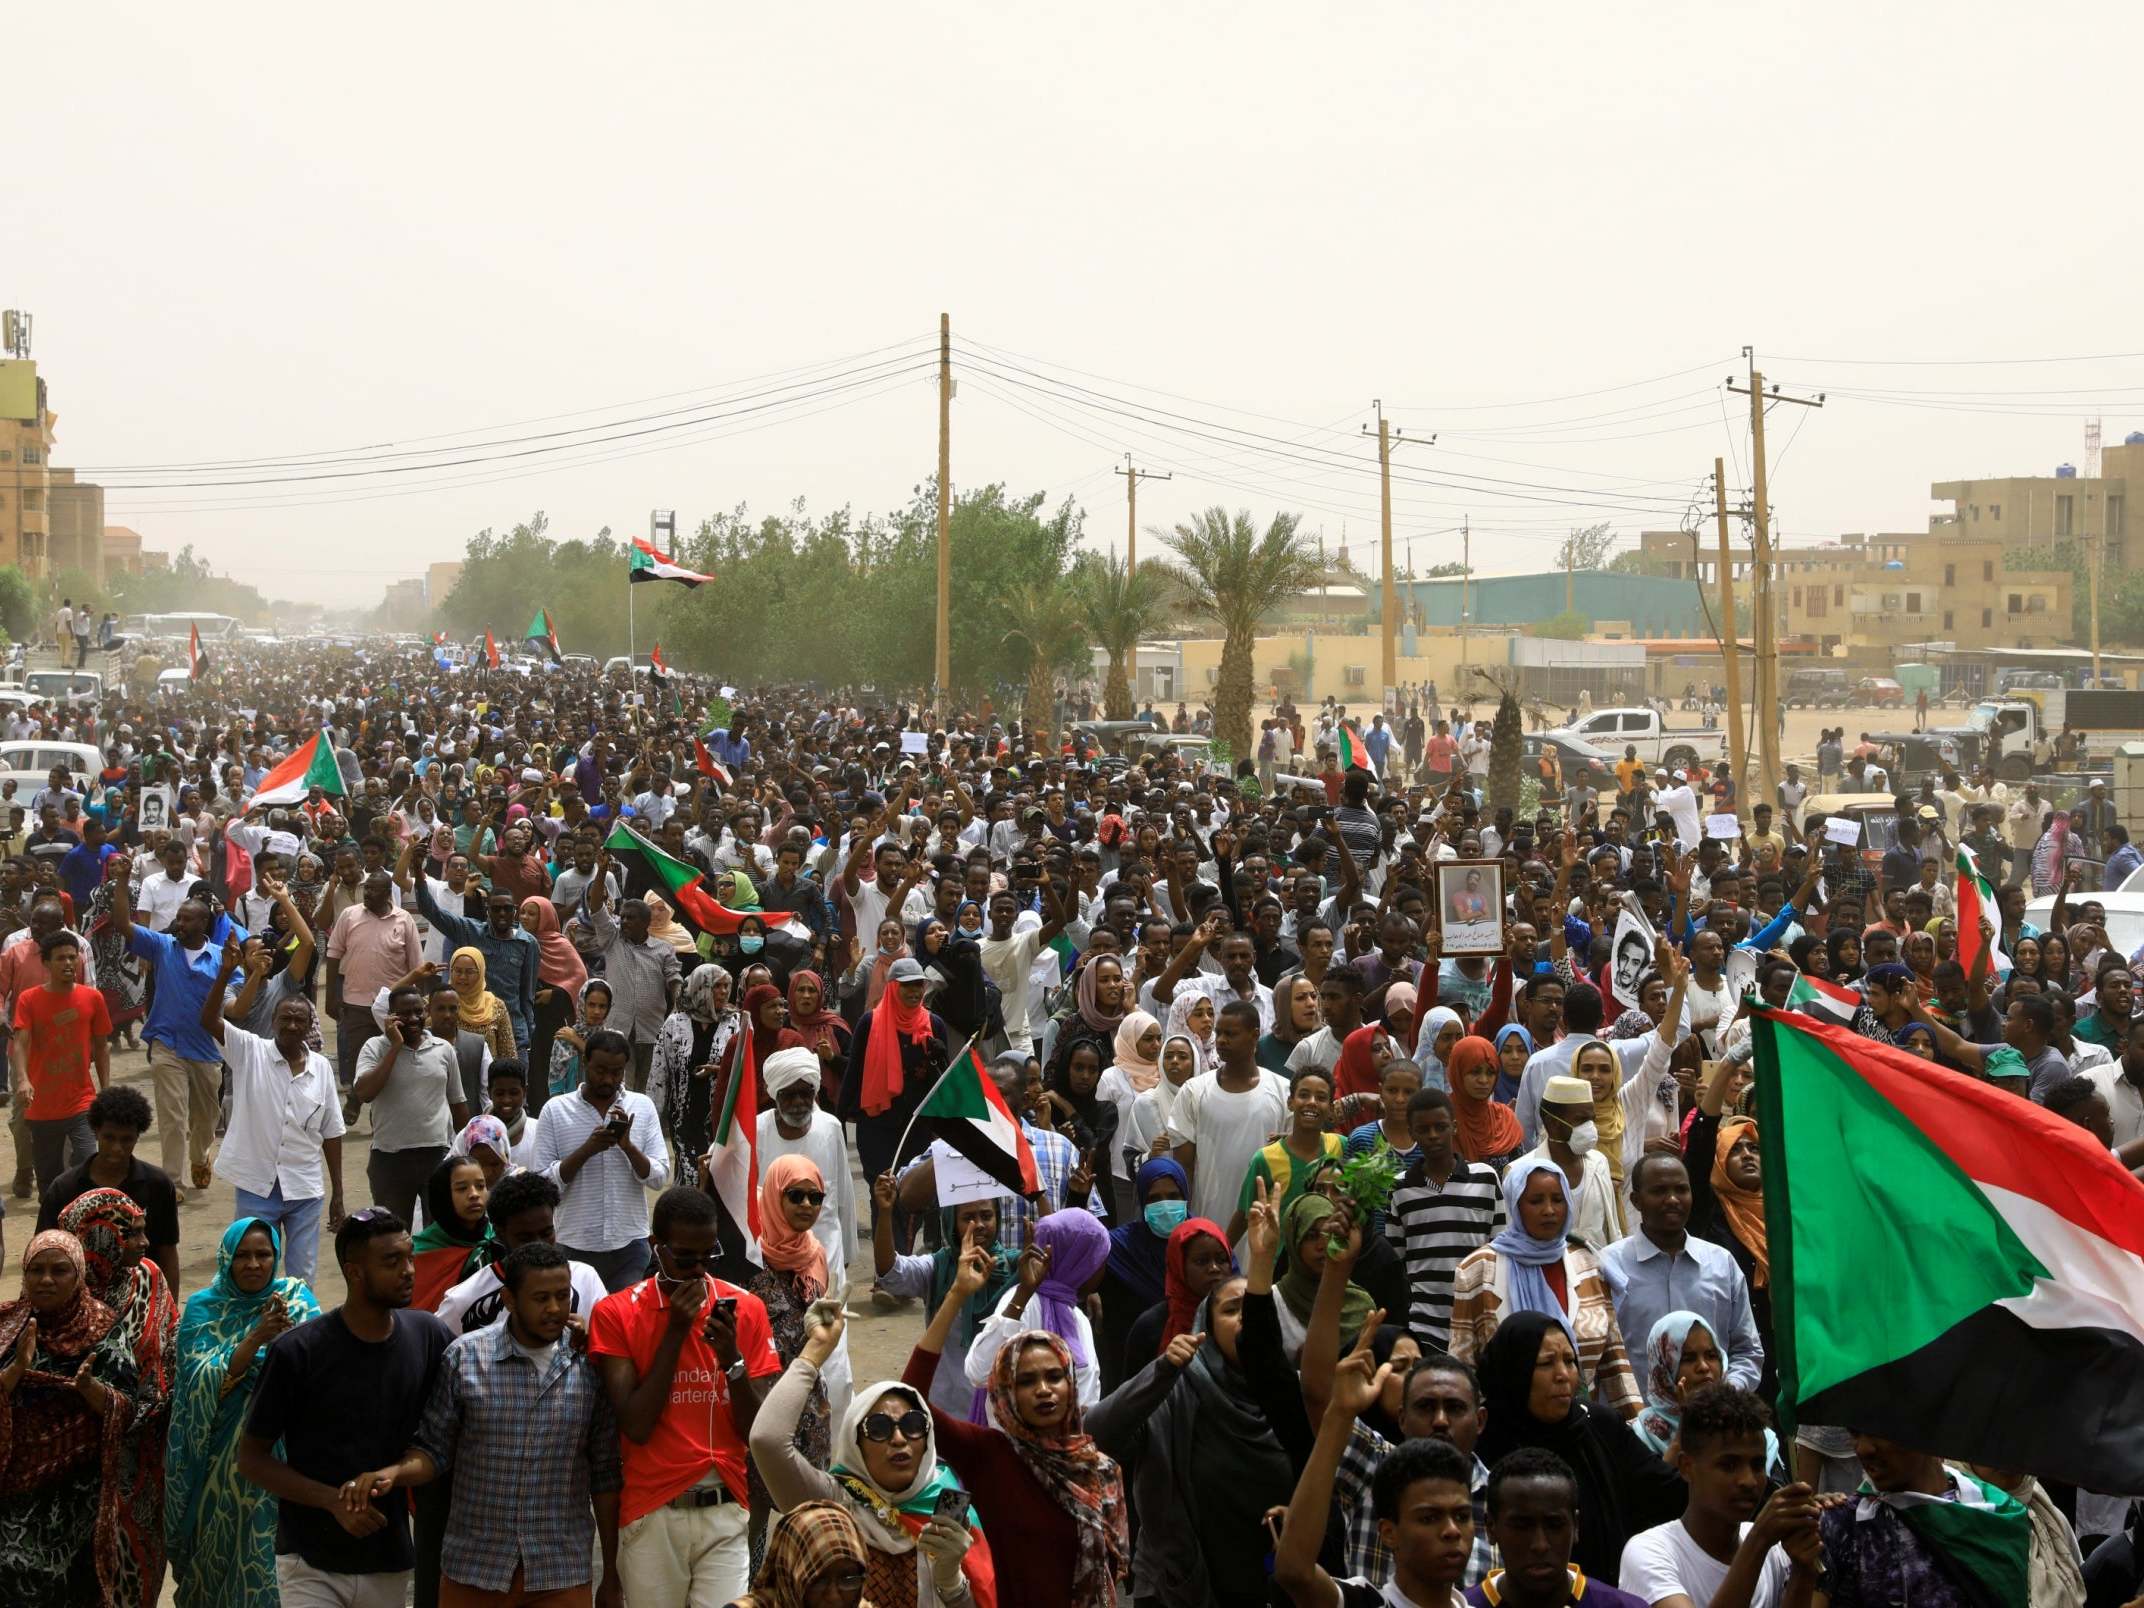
point(1442, 1208)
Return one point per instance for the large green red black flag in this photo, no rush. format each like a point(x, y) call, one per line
point(1951, 1267)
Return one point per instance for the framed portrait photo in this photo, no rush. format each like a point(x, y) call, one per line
point(1470, 904)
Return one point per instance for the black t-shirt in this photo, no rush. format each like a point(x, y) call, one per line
point(146, 1186)
point(342, 1406)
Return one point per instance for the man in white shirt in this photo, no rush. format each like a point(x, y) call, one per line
point(1236, 980)
point(1731, 1548)
point(286, 1124)
point(1221, 1119)
point(522, 1211)
point(603, 1146)
point(164, 890)
point(1009, 957)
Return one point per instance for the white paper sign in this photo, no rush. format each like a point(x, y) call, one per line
point(729, 692)
point(959, 1180)
point(1842, 829)
point(1741, 972)
point(1726, 827)
point(915, 742)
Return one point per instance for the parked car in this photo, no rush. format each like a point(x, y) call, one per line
point(1610, 731)
point(1574, 759)
point(1879, 692)
point(28, 763)
point(1817, 689)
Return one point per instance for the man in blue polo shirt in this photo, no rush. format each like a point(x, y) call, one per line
point(186, 1064)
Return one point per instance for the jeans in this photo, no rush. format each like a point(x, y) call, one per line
point(620, 1269)
point(188, 1098)
point(303, 1586)
point(57, 1143)
point(298, 1219)
point(398, 1177)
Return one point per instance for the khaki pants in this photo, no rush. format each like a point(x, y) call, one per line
point(303, 1586)
point(187, 1098)
point(685, 1558)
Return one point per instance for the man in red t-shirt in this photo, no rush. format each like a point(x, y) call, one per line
point(61, 1029)
point(684, 1358)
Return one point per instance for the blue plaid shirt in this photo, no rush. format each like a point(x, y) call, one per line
point(527, 1452)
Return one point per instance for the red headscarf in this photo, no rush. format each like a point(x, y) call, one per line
point(1183, 1315)
point(1486, 1129)
point(1357, 1070)
point(891, 1021)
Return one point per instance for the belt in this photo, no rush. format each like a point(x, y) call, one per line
point(701, 1496)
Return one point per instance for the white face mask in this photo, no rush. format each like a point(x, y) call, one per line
point(1584, 1138)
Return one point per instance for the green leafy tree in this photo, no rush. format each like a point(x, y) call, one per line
point(1569, 626)
point(1120, 607)
point(1230, 573)
point(1585, 548)
point(18, 605)
point(1043, 622)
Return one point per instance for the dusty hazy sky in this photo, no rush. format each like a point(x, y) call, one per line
point(261, 232)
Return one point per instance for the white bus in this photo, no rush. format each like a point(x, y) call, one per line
point(178, 627)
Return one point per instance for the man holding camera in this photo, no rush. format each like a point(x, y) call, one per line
point(604, 1149)
point(685, 1360)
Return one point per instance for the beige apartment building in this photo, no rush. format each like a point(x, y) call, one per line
point(1869, 596)
point(49, 520)
point(2040, 510)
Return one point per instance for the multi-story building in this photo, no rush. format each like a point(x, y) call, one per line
point(2041, 510)
point(25, 443)
point(439, 581)
point(75, 526)
point(1882, 593)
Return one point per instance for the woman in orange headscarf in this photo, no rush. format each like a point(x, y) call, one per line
point(792, 1193)
point(1488, 1131)
point(1727, 1197)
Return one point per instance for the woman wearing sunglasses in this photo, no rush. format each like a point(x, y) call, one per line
point(886, 1472)
point(791, 1195)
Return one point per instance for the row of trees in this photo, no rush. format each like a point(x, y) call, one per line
point(188, 584)
point(844, 600)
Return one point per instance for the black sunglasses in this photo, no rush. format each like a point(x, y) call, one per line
point(805, 1197)
point(914, 1425)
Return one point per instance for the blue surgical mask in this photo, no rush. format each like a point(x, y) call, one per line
point(751, 943)
point(1162, 1216)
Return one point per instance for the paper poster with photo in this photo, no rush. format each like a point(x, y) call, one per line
point(1630, 956)
point(1726, 826)
point(156, 807)
point(959, 1180)
point(1470, 906)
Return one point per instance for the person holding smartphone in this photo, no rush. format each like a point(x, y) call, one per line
point(911, 1505)
point(684, 1358)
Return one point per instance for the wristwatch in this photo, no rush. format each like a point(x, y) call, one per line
point(735, 1372)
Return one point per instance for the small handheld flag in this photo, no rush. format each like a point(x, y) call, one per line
point(656, 668)
point(733, 1157)
point(290, 782)
point(542, 630)
point(1353, 755)
point(707, 764)
point(196, 660)
point(491, 652)
point(965, 1109)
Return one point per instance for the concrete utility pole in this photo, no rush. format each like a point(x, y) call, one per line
point(1763, 619)
point(1466, 577)
point(1132, 477)
point(942, 666)
point(1388, 592)
point(1731, 643)
point(2099, 548)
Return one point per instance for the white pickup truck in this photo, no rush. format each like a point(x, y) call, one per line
point(1657, 743)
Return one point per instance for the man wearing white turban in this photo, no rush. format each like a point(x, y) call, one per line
point(797, 1126)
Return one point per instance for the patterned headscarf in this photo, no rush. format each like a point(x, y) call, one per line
point(1073, 1472)
point(698, 997)
point(802, 1545)
point(101, 1219)
point(1662, 1418)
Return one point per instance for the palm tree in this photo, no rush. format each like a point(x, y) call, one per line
point(1120, 607)
point(1507, 735)
point(1046, 616)
point(1236, 577)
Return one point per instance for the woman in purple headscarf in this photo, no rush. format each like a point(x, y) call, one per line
point(1062, 1265)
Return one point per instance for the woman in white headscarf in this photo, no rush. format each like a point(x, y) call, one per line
point(885, 1471)
point(1441, 1026)
point(1147, 1122)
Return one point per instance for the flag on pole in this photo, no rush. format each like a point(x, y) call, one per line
point(656, 668)
point(1353, 756)
point(439, 639)
point(293, 780)
point(1950, 1265)
point(733, 1157)
point(965, 1109)
point(646, 563)
point(491, 652)
point(542, 630)
point(1979, 917)
point(1823, 999)
point(682, 885)
point(707, 764)
point(196, 660)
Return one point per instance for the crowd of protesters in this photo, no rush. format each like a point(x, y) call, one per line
point(1359, 1272)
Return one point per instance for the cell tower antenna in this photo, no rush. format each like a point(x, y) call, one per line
point(2091, 449)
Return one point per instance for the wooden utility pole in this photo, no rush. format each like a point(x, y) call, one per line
point(1132, 477)
point(1389, 608)
point(942, 666)
point(1731, 635)
point(1763, 618)
point(1466, 577)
